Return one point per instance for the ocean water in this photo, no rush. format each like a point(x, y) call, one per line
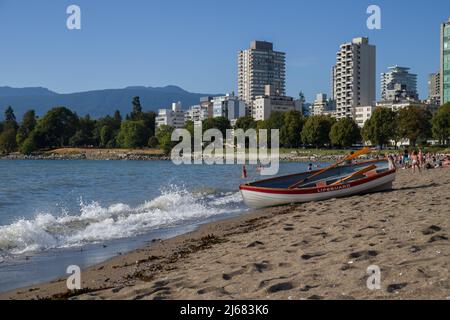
point(59, 213)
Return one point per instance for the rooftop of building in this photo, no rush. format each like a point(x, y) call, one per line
point(358, 40)
point(397, 67)
point(261, 45)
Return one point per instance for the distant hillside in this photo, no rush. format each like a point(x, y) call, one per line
point(95, 103)
point(19, 92)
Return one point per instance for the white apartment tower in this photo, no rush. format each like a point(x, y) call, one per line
point(398, 84)
point(354, 77)
point(260, 66)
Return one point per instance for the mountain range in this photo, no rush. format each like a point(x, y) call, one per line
point(97, 103)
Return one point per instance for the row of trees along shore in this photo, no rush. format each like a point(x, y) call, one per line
point(61, 127)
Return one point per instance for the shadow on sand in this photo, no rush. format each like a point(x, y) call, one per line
point(431, 185)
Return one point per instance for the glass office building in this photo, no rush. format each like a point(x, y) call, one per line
point(445, 62)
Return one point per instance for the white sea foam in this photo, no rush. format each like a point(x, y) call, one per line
point(95, 223)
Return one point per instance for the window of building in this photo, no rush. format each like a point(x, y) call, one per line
point(447, 31)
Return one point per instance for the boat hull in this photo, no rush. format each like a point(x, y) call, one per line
point(256, 197)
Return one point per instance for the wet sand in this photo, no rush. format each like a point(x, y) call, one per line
point(316, 250)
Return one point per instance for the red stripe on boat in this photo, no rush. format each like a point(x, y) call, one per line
point(316, 190)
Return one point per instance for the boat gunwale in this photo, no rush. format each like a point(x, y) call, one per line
point(249, 187)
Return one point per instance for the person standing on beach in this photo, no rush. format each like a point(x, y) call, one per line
point(428, 157)
point(405, 158)
point(415, 161)
point(244, 172)
point(446, 162)
point(391, 160)
point(399, 158)
point(420, 155)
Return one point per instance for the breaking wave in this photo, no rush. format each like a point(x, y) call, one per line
point(95, 223)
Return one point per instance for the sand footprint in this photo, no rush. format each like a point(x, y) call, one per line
point(310, 256)
point(392, 288)
point(363, 255)
point(431, 230)
point(284, 286)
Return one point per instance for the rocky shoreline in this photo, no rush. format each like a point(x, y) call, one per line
point(132, 156)
point(84, 156)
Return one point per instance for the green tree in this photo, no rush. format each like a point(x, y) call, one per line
point(9, 114)
point(110, 127)
point(29, 145)
point(133, 134)
point(414, 123)
point(381, 126)
point(246, 123)
point(107, 136)
point(56, 128)
point(85, 133)
point(441, 124)
point(316, 131)
point(262, 125)
point(189, 126)
point(290, 135)
point(79, 139)
point(153, 142)
point(164, 136)
point(220, 123)
point(149, 121)
point(8, 142)
point(117, 118)
point(345, 133)
point(275, 121)
point(136, 114)
point(396, 134)
point(10, 119)
point(27, 126)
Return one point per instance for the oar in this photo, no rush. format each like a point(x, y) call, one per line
point(348, 158)
point(357, 173)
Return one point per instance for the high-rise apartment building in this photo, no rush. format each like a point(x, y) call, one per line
point(354, 77)
point(398, 84)
point(434, 88)
point(260, 66)
point(445, 62)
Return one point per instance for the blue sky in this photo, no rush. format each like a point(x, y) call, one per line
point(194, 44)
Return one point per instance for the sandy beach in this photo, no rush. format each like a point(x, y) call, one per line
point(316, 250)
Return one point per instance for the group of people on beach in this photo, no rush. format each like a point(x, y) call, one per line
point(419, 160)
